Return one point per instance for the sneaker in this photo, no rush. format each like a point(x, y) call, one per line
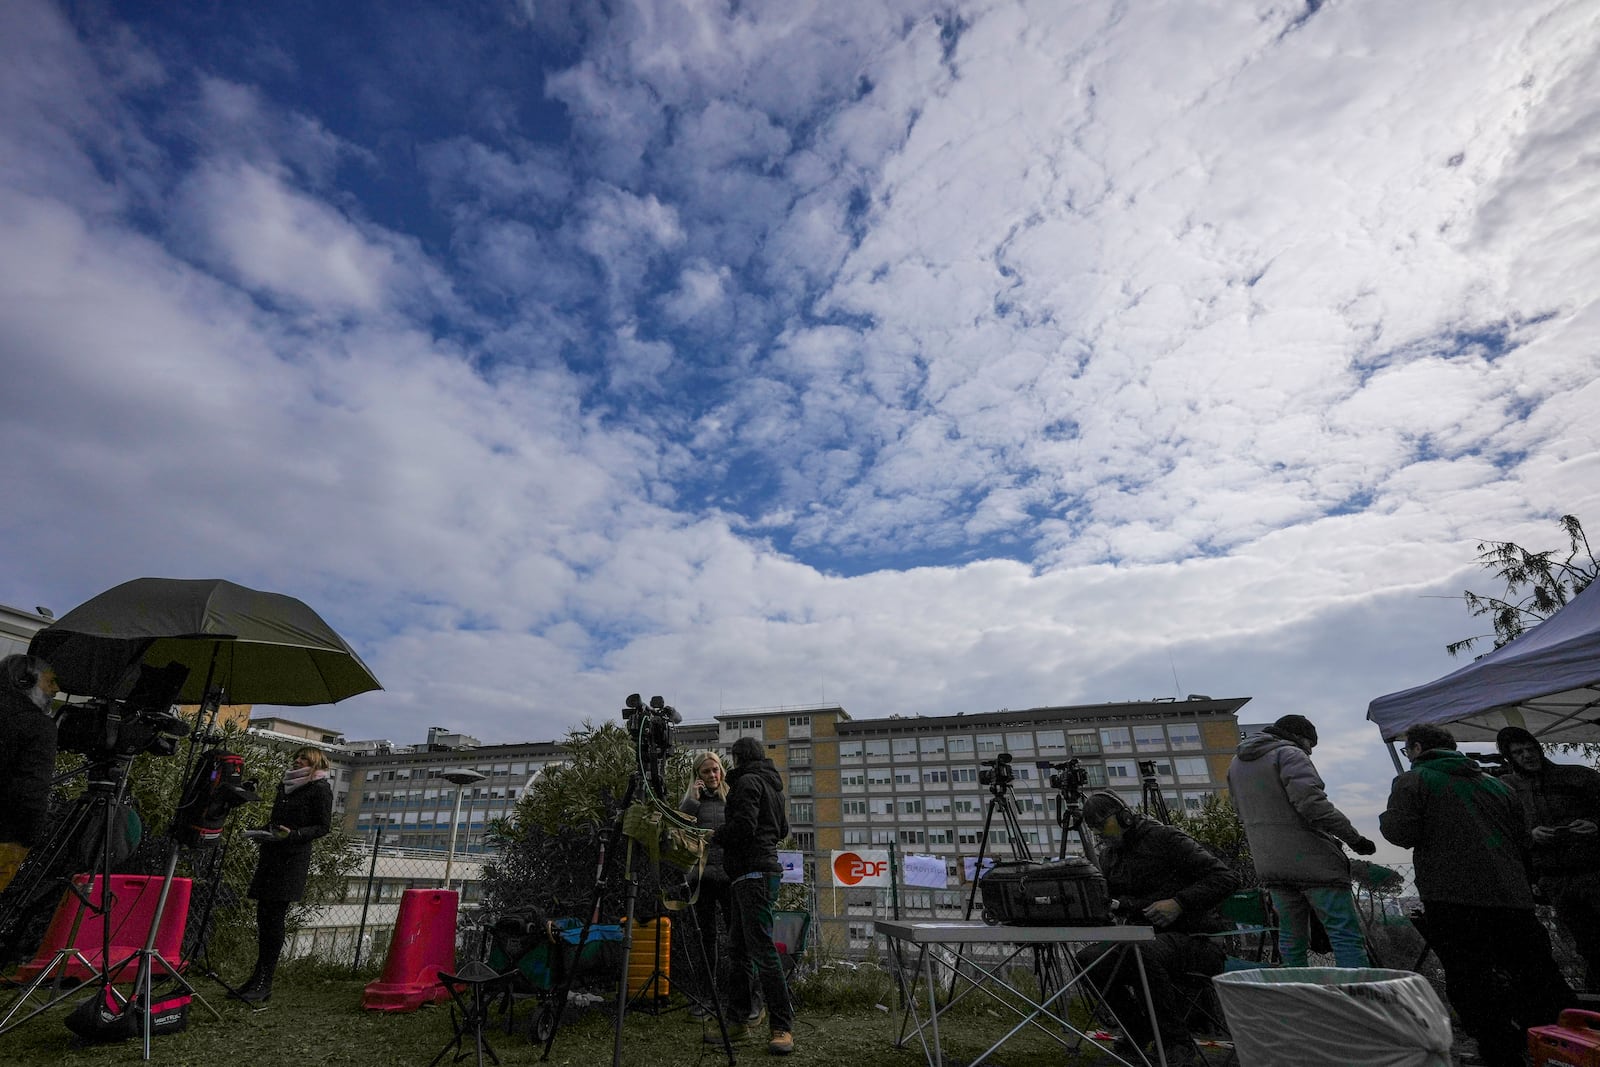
point(757, 1021)
point(782, 1043)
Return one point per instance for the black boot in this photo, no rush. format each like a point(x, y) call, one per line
point(258, 990)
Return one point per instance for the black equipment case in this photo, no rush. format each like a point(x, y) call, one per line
point(1066, 892)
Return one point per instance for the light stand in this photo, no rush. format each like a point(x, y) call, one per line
point(460, 778)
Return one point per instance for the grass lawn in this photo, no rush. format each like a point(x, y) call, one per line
point(315, 1019)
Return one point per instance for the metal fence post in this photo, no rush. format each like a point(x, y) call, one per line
point(366, 901)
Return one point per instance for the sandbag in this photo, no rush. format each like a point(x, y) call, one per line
point(1334, 1017)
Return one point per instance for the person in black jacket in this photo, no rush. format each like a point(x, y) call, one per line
point(301, 813)
point(706, 801)
point(756, 821)
point(1561, 807)
point(1161, 876)
point(28, 753)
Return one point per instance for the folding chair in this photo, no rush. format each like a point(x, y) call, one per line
point(1250, 911)
point(789, 930)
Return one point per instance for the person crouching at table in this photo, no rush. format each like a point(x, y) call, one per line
point(1161, 876)
point(301, 813)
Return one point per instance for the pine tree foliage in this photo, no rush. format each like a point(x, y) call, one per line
point(1537, 584)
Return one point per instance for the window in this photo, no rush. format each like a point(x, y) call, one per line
point(936, 776)
point(1083, 742)
point(882, 837)
point(852, 780)
point(800, 811)
point(936, 805)
point(964, 774)
point(966, 807)
point(1052, 742)
point(855, 837)
point(879, 776)
point(1019, 742)
point(905, 777)
point(967, 837)
point(1115, 739)
point(878, 749)
point(1023, 773)
point(1194, 801)
point(1121, 770)
point(1026, 804)
point(931, 746)
point(941, 836)
point(883, 807)
point(904, 746)
point(850, 749)
point(1097, 775)
point(800, 783)
point(800, 754)
point(799, 726)
point(1192, 769)
point(911, 837)
point(911, 807)
point(854, 807)
point(989, 743)
point(805, 840)
point(1184, 735)
point(959, 745)
point(1149, 738)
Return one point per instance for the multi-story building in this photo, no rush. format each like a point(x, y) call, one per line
point(911, 783)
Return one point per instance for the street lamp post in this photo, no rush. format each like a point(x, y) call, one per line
point(460, 779)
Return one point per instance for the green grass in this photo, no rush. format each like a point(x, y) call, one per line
point(315, 1019)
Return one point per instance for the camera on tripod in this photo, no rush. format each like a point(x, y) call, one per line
point(997, 773)
point(1069, 777)
point(106, 729)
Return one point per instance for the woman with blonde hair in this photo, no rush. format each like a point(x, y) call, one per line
point(704, 799)
point(301, 813)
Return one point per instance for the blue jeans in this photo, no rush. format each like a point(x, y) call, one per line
point(752, 954)
point(1335, 907)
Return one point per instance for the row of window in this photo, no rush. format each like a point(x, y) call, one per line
point(520, 769)
point(1109, 773)
point(1155, 737)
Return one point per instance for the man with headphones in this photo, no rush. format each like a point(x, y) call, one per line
point(1162, 877)
point(28, 752)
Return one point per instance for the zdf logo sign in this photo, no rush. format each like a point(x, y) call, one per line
point(861, 868)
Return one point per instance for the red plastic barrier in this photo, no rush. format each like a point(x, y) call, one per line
point(1574, 1040)
point(133, 906)
point(424, 943)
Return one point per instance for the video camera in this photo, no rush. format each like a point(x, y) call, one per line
point(106, 729)
point(997, 773)
point(651, 727)
point(1069, 777)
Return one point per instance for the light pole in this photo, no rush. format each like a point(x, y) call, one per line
point(460, 779)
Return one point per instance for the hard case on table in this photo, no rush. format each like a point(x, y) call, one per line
point(1066, 892)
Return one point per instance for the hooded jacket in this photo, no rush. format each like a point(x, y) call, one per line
point(1293, 828)
point(1151, 861)
point(1553, 797)
point(754, 820)
point(28, 747)
point(1465, 829)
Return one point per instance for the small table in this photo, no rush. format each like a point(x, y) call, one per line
point(962, 935)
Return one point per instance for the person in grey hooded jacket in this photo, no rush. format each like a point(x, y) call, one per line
point(1295, 833)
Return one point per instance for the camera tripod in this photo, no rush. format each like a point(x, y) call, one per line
point(1046, 967)
point(1150, 796)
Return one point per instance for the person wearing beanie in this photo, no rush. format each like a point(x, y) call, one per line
point(1162, 877)
point(1296, 840)
point(1470, 844)
point(28, 748)
point(1561, 807)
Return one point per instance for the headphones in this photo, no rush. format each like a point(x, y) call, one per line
point(22, 671)
point(1121, 812)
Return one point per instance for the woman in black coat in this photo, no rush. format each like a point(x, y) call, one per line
point(705, 799)
point(301, 813)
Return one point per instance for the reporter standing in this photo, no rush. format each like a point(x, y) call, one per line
point(706, 801)
point(301, 813)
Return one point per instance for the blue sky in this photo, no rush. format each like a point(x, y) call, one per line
point(920, 359)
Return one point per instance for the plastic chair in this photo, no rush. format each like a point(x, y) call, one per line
point(789, 931)
point(1250, 911)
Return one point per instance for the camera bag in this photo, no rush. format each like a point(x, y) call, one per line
point(1066, 892)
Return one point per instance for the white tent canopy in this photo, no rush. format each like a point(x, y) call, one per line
point(1546, 681)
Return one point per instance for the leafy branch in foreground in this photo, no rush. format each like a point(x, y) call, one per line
point(1537, 584)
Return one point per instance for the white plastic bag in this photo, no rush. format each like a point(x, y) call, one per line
point(1334, 1017)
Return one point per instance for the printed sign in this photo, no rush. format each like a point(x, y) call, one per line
point(924, 871)
point(794, 867)
point(969, 862)
point(866, 868)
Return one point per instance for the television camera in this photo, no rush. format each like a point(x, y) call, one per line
point(651, 725)
point(108, 730)
point(997, 773)
point(1069, 777)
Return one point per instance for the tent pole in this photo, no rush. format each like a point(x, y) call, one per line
point(1394, 756)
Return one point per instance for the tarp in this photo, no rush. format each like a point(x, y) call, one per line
point(1547, 681)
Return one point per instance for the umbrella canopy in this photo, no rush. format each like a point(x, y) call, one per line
point(1546, 681)
point(261, 648)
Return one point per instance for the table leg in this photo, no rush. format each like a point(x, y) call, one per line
point(1150, 1007)
point(933, 1006)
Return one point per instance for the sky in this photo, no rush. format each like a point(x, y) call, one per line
point(917, 358)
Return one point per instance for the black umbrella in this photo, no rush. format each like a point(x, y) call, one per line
point(260, 648)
